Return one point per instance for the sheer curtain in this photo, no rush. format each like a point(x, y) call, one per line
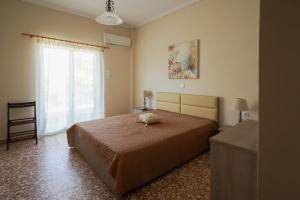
point(70, 85)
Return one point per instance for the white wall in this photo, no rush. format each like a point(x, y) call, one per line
point(228, 32)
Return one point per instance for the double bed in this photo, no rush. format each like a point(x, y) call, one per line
point(126, 154)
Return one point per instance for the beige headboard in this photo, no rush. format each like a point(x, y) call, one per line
point(168, 101)
point(194, 105)
point(200, 106)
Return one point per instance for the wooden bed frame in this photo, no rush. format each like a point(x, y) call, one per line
point(194, 105)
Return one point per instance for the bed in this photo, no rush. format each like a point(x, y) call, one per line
point(126, 154)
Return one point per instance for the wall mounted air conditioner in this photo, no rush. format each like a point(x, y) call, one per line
point(116, 40)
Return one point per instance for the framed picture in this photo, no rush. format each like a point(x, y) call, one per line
point(184, 60)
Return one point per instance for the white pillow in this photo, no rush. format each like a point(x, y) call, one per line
point(148, 118)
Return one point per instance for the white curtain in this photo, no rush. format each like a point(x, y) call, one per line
point(70, 85)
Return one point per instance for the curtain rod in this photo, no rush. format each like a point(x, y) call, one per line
point(62, 40)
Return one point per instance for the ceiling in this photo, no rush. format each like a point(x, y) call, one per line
point(134, 12)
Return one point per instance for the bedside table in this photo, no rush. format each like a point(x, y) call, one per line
point(224, 128)
point(141, 109)
point(233, 162)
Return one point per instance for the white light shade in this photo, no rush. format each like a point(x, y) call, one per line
point(109, 18)
point(240, 105)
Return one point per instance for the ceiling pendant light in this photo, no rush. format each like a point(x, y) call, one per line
point(109, 17)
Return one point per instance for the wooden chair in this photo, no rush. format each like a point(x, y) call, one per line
point(26, 134)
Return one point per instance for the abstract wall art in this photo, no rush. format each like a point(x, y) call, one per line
point(184, 60)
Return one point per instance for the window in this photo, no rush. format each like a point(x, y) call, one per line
point(70, 86)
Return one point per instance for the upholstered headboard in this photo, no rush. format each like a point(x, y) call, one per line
point(168, 101)
point(200, 106)
point(194, 105)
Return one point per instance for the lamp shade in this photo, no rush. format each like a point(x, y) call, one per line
point(240, 104)
point(110, 19)
point(146, 93)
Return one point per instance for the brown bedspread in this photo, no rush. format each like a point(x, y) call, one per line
point(135, 154)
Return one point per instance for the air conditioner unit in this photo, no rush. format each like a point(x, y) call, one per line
point(116, 40)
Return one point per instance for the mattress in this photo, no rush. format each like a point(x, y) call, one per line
point(127, 154)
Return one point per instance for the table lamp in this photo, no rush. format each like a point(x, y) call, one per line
point(240, 105)
point(146, 94)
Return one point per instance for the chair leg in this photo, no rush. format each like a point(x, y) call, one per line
point(8, 138)
point(35, 128)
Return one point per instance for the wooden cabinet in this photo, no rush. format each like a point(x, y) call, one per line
point(233, 161)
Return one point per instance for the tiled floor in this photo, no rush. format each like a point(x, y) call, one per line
point(51, 170)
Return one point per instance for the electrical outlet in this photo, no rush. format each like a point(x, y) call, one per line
point(246, 114)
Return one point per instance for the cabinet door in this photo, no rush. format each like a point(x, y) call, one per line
point(233, 173)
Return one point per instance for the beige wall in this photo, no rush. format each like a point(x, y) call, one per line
point(228, 32)
point(17, 66)
point(279, 149)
